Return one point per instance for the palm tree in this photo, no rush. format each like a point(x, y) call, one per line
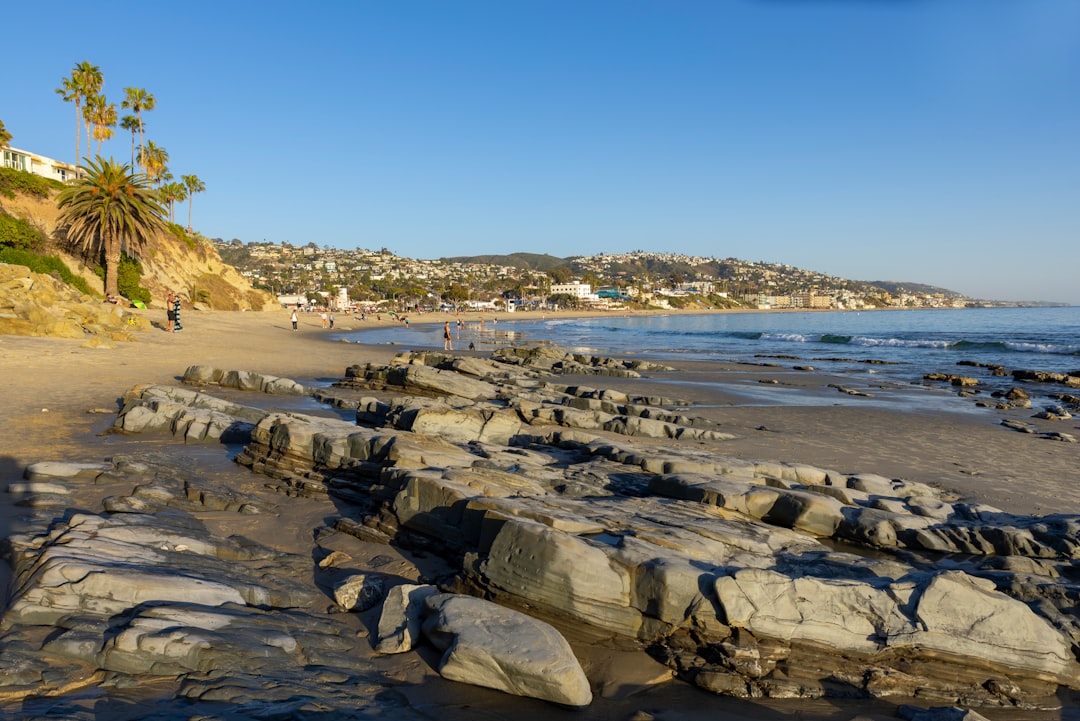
point(138, 100)
point(110, 209)
point(194, 185)
point(130, 123)
point(102, 115)
point(153, 159)
point(69, 91)
point(5, 136)
point(170, 193)
point(89, 81)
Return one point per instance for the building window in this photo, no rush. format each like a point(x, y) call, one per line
point(15, 160)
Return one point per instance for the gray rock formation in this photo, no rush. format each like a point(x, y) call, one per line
point(566, 501)
point(400, 623)
point(244, 380)
point(605, 545)
point(153, 596)
point(487, 645)
point(189, 414)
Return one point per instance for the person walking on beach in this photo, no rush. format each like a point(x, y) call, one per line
point(331, 319)
point(447, 343)
point(170, 314)
point(323, 318)
point(294, 319)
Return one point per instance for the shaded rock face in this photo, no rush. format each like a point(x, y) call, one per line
point(723, 568)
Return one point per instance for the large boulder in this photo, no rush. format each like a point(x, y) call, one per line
point(487, 645)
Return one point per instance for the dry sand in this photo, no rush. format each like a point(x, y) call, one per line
point(58, 394)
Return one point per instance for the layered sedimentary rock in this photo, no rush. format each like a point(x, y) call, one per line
point(726, 569)
point(144, 592)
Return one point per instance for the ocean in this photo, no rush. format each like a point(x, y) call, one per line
point(916, 341)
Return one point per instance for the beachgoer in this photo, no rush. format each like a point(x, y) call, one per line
point(331, 318)
point(294, 320)
point(447, 344)
point(169, 312)
point(176, 314)
point(323, 318)
point(406, 321)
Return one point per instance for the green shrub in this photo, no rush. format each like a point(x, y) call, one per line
point(127, 280)
point(17, 233)
point(45, 264)
point(20, 181)
point(178, 231)
point(128, 276)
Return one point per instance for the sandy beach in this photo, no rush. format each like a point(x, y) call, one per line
point(61, 394)
point(53, 383)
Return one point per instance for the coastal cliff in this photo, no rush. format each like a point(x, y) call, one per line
point(193, 268)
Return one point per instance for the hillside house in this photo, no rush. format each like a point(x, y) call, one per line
point(38, 164)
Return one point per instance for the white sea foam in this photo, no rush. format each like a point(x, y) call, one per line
point(1043, 348)
point(899, 343)
point(791, 337)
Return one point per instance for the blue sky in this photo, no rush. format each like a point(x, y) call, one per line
point(929, 141)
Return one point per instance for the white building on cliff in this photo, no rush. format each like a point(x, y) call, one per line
point(37, 164)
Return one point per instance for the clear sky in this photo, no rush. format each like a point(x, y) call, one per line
point(934, 141)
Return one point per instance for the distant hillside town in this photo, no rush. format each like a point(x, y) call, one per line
point(328, 277)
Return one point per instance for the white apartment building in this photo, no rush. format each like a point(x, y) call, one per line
point(37, 164)
point(577, 289)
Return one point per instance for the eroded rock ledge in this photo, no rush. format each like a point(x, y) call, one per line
point(572, 503)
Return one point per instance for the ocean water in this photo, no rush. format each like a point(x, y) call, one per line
point(911, 343)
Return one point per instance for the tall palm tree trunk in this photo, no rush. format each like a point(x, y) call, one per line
point(112, 265)
point(78, 133)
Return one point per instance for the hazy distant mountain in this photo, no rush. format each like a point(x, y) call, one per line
point(899, 286)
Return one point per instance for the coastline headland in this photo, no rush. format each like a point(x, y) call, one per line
point(644, 511)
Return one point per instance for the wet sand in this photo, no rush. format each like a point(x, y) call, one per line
point(59, 395)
